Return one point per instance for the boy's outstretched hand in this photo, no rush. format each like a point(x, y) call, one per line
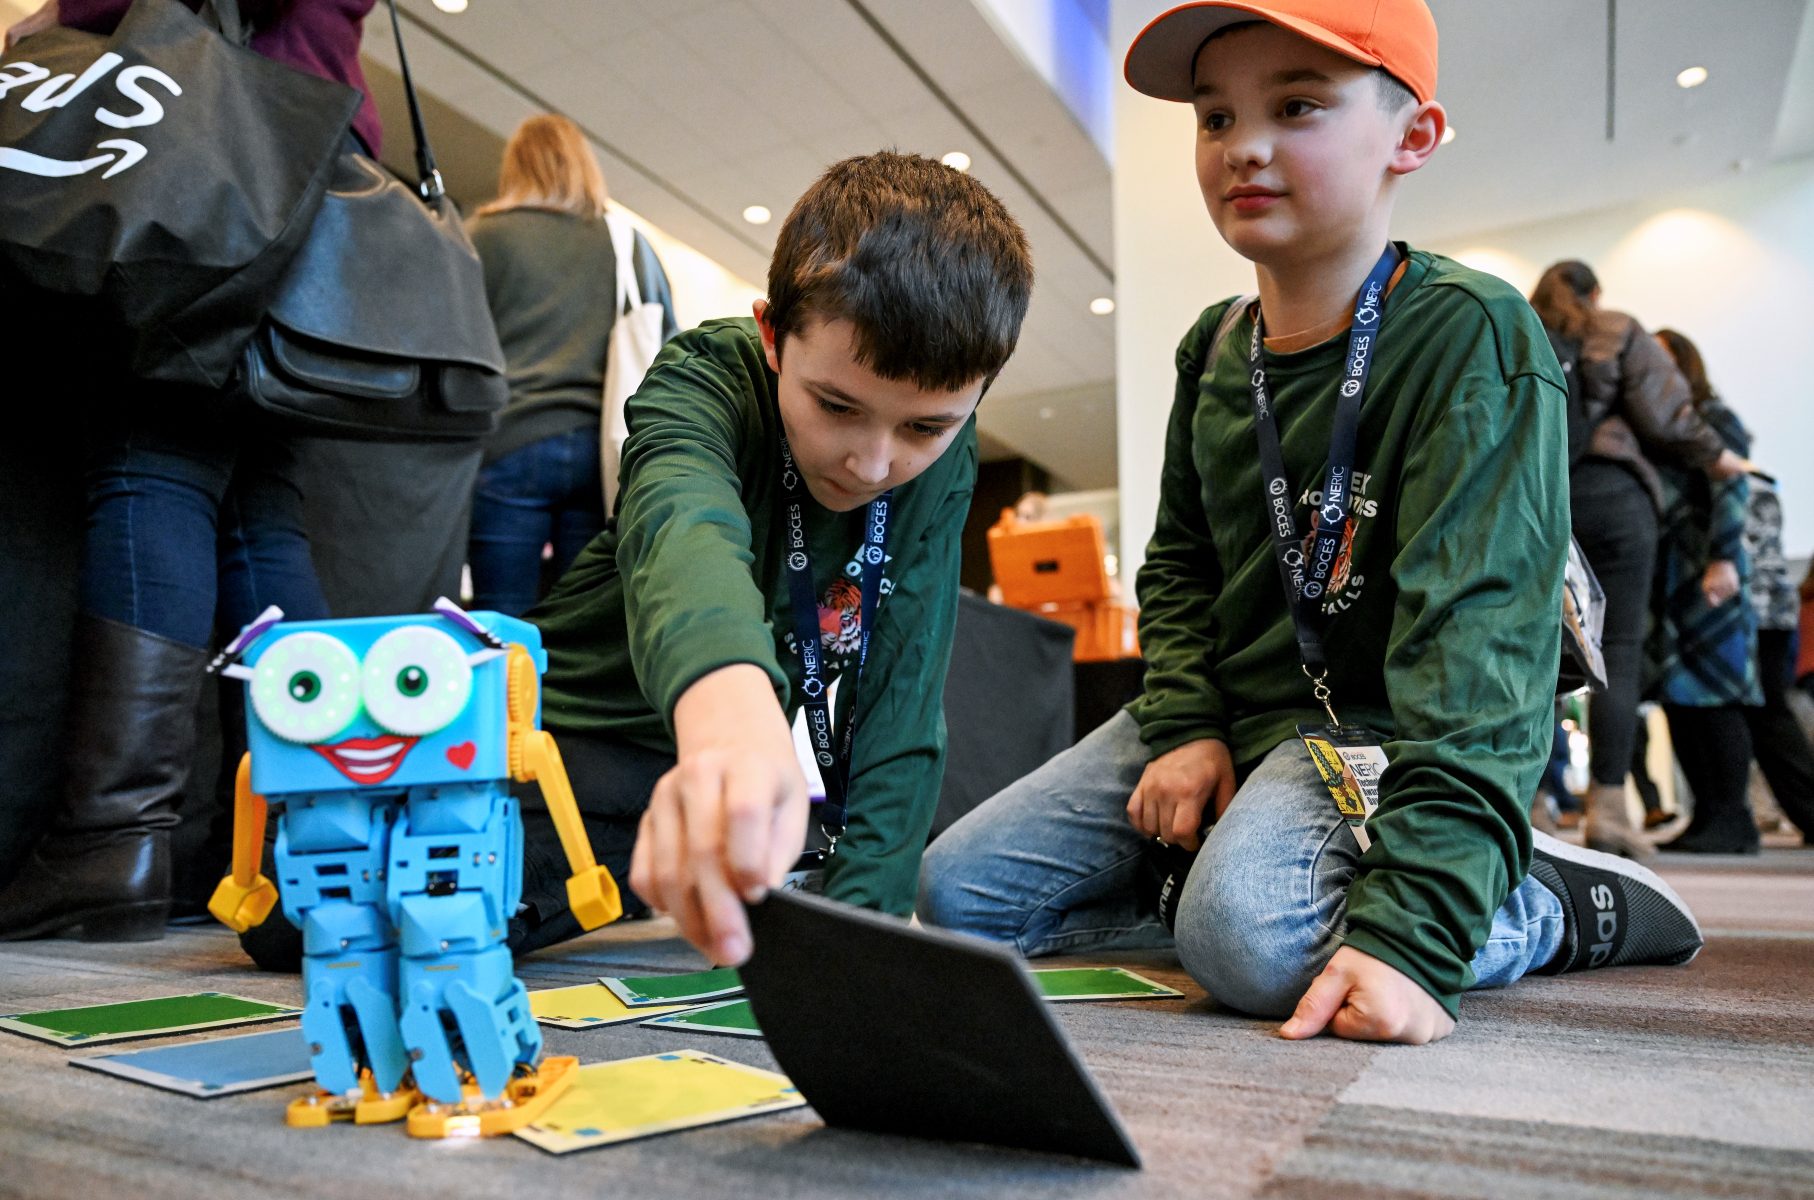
point(1358, 996)
point(1177, 786)
point(729, 820)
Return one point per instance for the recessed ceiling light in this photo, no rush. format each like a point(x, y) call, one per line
point(755, 214)
point(1692, 77)
point(451, 6)
point(957, 160)
point(1102, 306)
point(1448, 134)
point(1045, 414)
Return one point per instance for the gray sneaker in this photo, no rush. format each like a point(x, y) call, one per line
point(1616, 913)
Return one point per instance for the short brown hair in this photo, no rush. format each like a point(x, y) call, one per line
point(548, 164)
point(923, 260)
point(1563, 297)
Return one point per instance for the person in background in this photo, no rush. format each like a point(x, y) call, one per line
point(1723, 583)
point(1555, 803)
point(551, 277)
point(1654, 813)
point(194, 523)
point(1637, 410)
point(1804, 664)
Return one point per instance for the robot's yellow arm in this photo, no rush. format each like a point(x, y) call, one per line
point(245, 898)
point(591, 892)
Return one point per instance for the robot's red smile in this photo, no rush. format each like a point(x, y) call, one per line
point(367, 760)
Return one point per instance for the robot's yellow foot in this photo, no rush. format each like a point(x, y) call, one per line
point(525, 1100)
point(369, 1107)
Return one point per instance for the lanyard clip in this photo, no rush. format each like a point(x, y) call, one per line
point(1319, 687)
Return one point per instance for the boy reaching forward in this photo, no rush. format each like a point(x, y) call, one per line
point(1364, 502)
point(794, 493)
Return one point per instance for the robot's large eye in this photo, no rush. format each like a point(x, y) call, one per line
point(306, 687)
point(417, 680)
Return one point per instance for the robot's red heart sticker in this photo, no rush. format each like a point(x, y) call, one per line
point(461, 755)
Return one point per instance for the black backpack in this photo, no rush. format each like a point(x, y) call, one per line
point(1580, 429)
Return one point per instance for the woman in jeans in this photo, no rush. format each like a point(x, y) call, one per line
point(551, 277)
point(1636, 405)
point(193, 523)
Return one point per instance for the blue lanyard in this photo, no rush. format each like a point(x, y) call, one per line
point(1306, 577)
point(834, 763)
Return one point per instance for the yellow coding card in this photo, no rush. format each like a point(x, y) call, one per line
point(634, 1098)
point(589, 1005)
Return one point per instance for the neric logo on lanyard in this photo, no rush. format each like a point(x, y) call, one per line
point(1306, 577)
point(831, 750)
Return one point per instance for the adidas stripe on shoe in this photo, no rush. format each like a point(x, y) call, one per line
point(1616, 913)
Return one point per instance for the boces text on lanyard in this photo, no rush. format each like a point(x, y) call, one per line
point(1306, 576)
point(832, 753)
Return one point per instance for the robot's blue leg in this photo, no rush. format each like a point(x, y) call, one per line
point(479, 1021)
point(452, 887)
point(377, 1013)
point(330, 861)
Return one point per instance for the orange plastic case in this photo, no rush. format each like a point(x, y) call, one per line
point(1055, 569)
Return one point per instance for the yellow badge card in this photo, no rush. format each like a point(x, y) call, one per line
point(1349, 759)
point(590, 1005)
point(634, 1098)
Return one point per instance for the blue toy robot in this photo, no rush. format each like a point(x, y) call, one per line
point(386, 746)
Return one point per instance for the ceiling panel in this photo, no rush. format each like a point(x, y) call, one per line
point(1526, 87)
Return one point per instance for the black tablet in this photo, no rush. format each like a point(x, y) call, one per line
point(919, 1032)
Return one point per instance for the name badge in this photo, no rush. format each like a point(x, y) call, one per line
point(1350, 759)
point(808, 874)
point(811, 882)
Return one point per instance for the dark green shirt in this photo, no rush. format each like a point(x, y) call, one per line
point(693, 579)
point(1443, 614)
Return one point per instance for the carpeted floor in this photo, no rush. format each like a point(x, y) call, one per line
point(1644, 1082)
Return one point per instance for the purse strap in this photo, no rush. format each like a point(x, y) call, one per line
point(227, 20)
point(623, 244)
point(428, 177)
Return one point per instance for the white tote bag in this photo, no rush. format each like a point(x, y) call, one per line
point(634, 343)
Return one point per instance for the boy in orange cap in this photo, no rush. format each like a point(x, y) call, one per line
point(1350, 602)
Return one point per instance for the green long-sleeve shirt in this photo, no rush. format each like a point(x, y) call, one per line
point(693, 580)
point(1443, 613)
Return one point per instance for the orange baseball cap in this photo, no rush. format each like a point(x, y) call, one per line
point(1399, 35)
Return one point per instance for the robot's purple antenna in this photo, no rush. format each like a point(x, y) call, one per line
point(459, 616)
point(237, 648)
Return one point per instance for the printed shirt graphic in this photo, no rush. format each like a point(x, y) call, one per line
point(841, 616)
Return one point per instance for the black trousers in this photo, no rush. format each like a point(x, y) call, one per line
point(1777, 739)
point(1714, 748)
point(612, 783)
point(1616, 524)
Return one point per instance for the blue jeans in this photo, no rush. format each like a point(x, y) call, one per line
point(1052, 865)
point(550, 491)
point(194, 517)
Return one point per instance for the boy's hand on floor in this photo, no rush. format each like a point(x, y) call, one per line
point(729, 820)
point(1358, 996)
point(1175, 788)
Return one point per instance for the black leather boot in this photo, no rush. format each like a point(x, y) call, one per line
point(103, 870)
